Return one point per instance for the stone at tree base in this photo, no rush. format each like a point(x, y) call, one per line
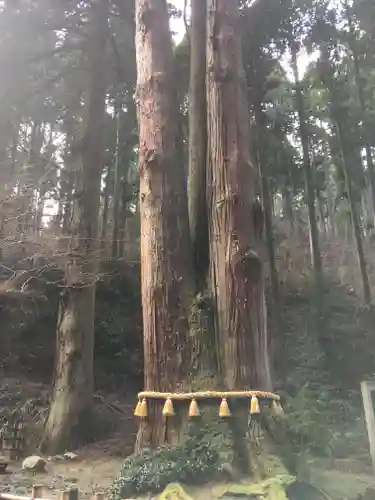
point(69, 455)
point(34, 463)
point(273, 488)
point(174, 491)
point(270, 489)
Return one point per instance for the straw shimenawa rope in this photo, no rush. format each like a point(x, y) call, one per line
point(224, 409)
point(182, 396)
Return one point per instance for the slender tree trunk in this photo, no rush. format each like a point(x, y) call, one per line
point(166, 262)
point(267, 207)
point(365, 127)
point(309, 188)
point(330, 198)
point(288, 209)
point(236, 273)
point(322, 216)
point(117, 188)
point(71, 411)
point(69, 174)
point(198, 140)
point(357, 233)
point(39, 212)
point(124, 215)
point(105, 212)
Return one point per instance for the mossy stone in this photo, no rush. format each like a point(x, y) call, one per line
point(273, 489)
point(174, 491)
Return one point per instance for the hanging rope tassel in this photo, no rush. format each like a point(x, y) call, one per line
point(168, 410)
point(254, 418)
point(193, 409)
point(254, 406)
point(224, 410)
point(138, 409)
point(143, 411)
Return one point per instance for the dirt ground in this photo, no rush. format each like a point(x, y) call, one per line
point(93, 471)
point(96, 467)
point(89, 474)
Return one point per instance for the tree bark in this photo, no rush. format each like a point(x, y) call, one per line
point(236, 274)
point(198, 140)
point(71, 412)
point(166, 261)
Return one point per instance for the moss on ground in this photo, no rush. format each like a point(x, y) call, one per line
point(273, 488)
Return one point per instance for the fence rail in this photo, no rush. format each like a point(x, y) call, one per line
point(37, 494)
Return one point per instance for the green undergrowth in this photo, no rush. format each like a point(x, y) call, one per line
point(204, 452)
point(320, 367)
point(211, 449)
point(150, 471)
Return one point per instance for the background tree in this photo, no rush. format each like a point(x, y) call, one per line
point(73, 386)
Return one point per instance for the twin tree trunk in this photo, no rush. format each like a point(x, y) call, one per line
point(236, 274)
point(166, 257)
point(198, 140)
point(236, 279)
point(71, 411)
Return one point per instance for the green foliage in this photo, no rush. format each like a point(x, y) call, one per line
point(118, 339)
point(153, 470)
point(320, 386)
point(16, 407)
point(320, 423)
point(118, 334)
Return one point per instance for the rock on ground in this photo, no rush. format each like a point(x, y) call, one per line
point(34, 463)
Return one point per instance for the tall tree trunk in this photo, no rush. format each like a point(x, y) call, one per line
point(165, 239)
point(288, 209)
point(309, 188)
point(69, 174)
point(117, 187)
point(71, 411)
point(267, 207)
point(322, 216)
point(357, 233)
point(105, 212)
point(365, 126)
point(236, 272)
point(198, 140)
point(124, 216)
point(330, 197)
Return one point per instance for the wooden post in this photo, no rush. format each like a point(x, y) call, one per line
point(71, 494)
point(64, 495)
point(37, 491)
point(366, 388)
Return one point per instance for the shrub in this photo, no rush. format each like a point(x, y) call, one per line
point(152, 470)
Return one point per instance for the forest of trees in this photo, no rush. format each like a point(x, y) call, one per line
point(224, 165)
